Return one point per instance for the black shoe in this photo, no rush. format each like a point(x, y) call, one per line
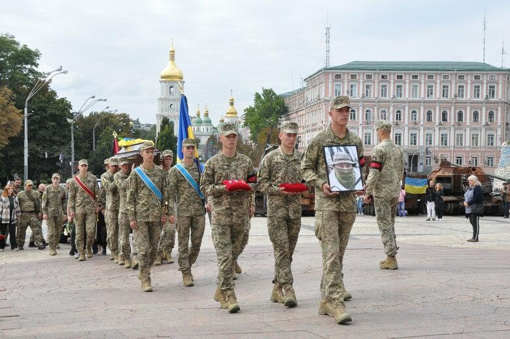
point(32, 244)
point(473, 240)
point(20, 248)
point(41, 247)
point(104, 251)
point(72, 251)
point(45, 243)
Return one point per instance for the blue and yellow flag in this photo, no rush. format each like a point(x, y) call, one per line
point(185, 130)
point(416, 186)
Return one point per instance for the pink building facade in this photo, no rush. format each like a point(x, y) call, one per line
point(457, 111)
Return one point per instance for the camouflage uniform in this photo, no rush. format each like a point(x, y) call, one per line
point(190, 214)
point(29, 213)
point(112, 209)
point(143, 206)
point(283, 211)
point(121, 181)
point(83, 206)
point(334, 215)
point(384, 184)
point(54, 203)
point(167, 241)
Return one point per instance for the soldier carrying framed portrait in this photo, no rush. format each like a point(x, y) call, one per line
point(342, 166)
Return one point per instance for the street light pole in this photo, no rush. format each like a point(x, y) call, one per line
point(37, 87)
point(97, 124)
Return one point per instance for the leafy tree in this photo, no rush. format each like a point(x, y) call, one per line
point(267, 109)
point(166, 136)
point(11, 118)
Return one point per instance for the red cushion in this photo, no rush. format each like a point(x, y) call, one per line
point(297, 187)
point(236, 185)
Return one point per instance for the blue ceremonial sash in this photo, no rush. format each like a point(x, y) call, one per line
point(190, 180)
point(149, 183)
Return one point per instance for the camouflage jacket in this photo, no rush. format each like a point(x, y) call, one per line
point(314, 170)
point(278, 168)
point(101, 196)
point(80, 202)
point(26, 204)
point(111, 191)
point(219, 168)
point(54, 201)
point(122, 183)
point(386, 170)
point(183, 194)
point(142, 205)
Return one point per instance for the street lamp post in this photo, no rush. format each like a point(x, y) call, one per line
point(97, 124)
point(40, 83)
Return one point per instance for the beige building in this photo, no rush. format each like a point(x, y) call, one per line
point(458, 111)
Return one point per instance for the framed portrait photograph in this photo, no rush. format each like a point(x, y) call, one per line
point(342, 167)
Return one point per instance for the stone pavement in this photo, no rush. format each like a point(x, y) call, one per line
point(445, 287)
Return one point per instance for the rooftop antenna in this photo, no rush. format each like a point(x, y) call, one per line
point(328, 27)
point(503, 52)
point(484, 29)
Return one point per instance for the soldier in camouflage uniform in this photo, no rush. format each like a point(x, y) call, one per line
point(147, 211)
point(121, 181)
point(30, 206)
point(190, 209)
point(383, 183)
point(167, 241)
point(82, 208)
point(229, 209)
point(54, 205)
point(335, 211)
point(283, 165)
point(112, 209)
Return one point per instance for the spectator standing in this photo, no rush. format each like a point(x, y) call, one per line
point(430, 197)
point(439, 202)
point(9, 214)
point(506, 199)
point(402, 203)
point(474, 195)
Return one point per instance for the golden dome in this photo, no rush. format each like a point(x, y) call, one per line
point(232, 112)
point(171, 72)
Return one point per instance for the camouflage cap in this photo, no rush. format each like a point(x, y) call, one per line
point(114, 161)
point(55, 175)
point(106, 161)
point(289, 127)
point(29, 183)
point(383, 125)
point(340, 102)
point(342, 158)
point(124, 161)
point(83, 162)
point(228, 129)
point(189, 142)
point(147, 145)
point(167, 153)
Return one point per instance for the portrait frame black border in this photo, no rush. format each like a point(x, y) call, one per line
point(352, 151)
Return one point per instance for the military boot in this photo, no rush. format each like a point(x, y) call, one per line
point(187, 279)
point(32, 244)
point(112, 256)
point(135, 264)
point(336, 309)
point(127, 263)
point(116, 257)
point(219, 296)
point(157, 262)
point(121, 260)
point(231, 299)
point(82, 257)
point(277, 294)
point(89, 253)
point(146, 285)
point(41, 247)
point(168, 257)
point(237, 268)
point(345, 295)
point(53, 251)
point(289, 298)
point(389, 264)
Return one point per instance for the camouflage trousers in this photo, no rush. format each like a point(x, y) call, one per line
point(187, 226)
point(385, 211)
point(124, 231)
point(85, 223)
point(332, 228)
point(246, 236)
point(283, 233)
point(112, 230)
point(39, 223)
point(147, 236)
point(227, 236)
point(26, 220)
point(167, 240)
point(54, 224)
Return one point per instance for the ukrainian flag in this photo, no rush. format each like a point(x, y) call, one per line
point(185, 130)
point(416, 186)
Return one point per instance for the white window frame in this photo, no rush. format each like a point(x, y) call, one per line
point(353, 87)
point(444, 139)
point(430, 91)
point(368, 90)
point(477, 91)
point(384, 90)
point(399, 91)
point(461, 90)
point(445, 91)
point(338, 89)
point(414, 91)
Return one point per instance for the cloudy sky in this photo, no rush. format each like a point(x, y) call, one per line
point(116, 49)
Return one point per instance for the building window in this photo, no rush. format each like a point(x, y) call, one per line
point(383, 115)
point(338, 76)
point(461, 77)
point(368, 115)
point(490, 116)
point(400, 89)
point(414, 77)
point(459, 139)
point(368, 76)
point(444, 116)
point(460, 116)
point(413, 139)
point(476, 92)
point(446, 77)
point(400, 77)
point(171, 90)
point(368, 90)
point(476, 116)
point(354, 76)
point(490, 161)
point(353, 91)
point(414, 115)
point(429, 116)
point(430, 76)
point(474, 161)
point(398, 115)
point(446, 91)
point(444, 139)
point(338, 89)
point(368, 139)
point(475, 139)
point(428, 139)
point(490, 139)
point(384, 90)
point(477, 77)
point(458, 160)
point(492, 77)
point(414, 91)
point(492, 91)
point(384, 76)
point(352, 116)
point(398, 139)
point(460, 91)
point(430, 91)
point(428, 161)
